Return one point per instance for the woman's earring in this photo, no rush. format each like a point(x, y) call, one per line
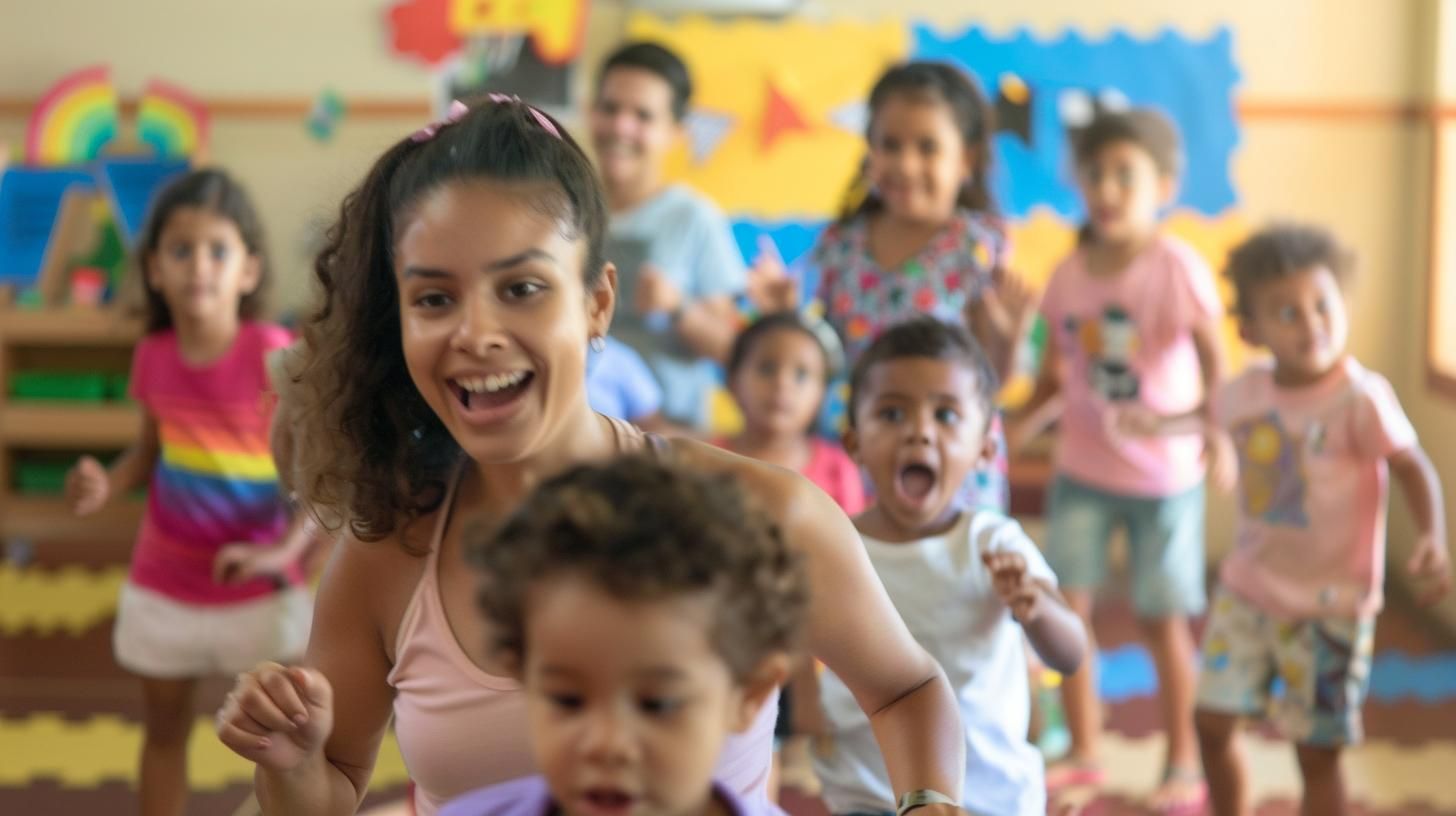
point(598, 344)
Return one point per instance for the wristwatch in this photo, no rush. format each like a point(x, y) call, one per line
point(921, 798)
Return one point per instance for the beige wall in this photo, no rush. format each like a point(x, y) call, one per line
point(1360, 176)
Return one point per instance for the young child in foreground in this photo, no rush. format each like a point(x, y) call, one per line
point(648, 612)
point(970, 584)
point(1316, 435)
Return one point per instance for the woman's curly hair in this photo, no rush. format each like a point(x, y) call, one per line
point(643, 530)
point(373, 455)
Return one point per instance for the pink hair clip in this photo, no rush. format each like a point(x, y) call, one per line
point(545, 123)
point(453, 114)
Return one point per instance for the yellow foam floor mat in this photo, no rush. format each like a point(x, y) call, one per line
point(68, 600)
point(88, 752)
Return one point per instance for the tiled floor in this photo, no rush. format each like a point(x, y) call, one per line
point(68, 716)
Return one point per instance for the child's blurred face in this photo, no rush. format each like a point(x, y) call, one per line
point(918, 161)
point(495, 316)
point(629, 703)
point(632, 125)
point(919, 429)
point(201, 267)
point(780, 383)
point(1124, 190)
point(1301, 319)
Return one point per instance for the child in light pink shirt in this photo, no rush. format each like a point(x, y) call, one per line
point(1133, 318)
point(1316, 435)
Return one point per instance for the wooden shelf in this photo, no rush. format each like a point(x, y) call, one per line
point(49, 519)
point(68, 425)
point(68, 327)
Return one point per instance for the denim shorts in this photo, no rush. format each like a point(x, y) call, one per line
point(1165, 544)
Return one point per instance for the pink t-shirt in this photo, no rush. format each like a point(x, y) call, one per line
point(1313, 482)
point(831, 469)
point(214, 483)
point(1129, 338)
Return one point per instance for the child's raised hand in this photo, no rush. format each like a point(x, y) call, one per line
point(655, 293)
point(1007, 305)
point(87, 487)
point(770, 286)
point(1432, 565)
point(1013, 584)
point(276, 716)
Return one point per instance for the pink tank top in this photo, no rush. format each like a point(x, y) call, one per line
point(460, 728)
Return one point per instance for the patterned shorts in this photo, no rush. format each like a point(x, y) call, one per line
point(1308, 677)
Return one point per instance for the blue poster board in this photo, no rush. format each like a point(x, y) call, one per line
point(131, 184)
point(30, 200)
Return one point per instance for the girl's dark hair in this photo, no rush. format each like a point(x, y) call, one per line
point(640, 529)
point(766, 325)
point(658, 60)
point(1149, 130)
point(941, 83)
point(377, 455)
point(218, 193)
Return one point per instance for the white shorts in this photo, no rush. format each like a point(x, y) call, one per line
point(159, 637)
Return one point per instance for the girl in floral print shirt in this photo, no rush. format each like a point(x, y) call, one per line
point(925, 238)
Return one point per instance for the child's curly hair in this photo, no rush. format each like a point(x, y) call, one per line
point(643, 530)
point(375, 454)
point(1279, 251)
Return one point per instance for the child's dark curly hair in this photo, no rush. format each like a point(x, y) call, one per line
point(1282, 250)
point(377, 455)
point(643, 530)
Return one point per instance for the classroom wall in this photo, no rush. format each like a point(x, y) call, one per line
point(1361, 175)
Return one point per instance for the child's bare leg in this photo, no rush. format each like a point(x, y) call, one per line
point(1324, 784)
point(1171, 643)
point(1079, 690)
point(1223, 762)
point(169, 714)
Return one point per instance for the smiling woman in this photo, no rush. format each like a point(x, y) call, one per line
point(446, 379)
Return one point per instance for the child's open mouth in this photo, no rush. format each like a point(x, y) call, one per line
point(486, 398)
point(915, 482)
point(608, 801)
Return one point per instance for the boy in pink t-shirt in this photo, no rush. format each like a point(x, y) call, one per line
point(1316, 435)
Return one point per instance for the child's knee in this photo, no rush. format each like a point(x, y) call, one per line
point(1317, 761)
point(1215, 728)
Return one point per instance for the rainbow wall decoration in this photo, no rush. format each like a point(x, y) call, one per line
point(171, 121)
point(74, 120)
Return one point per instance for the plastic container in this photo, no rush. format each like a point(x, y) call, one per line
point(66, 386)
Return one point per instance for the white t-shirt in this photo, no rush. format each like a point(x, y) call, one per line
point(944, 593)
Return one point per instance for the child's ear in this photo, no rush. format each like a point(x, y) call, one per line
point(771, 673)
point(602, 301)
point(252, 275)
point(1167, 190)
point(988, 447)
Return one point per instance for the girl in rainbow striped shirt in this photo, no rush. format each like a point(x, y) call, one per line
point(215, 583)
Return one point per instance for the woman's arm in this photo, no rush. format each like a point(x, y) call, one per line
point(322, 767)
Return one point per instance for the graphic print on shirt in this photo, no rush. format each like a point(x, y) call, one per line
point(1109, 343)
point(1271, 470)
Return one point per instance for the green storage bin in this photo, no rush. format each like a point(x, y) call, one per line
point(68, 386)
point(116, 387)
point(41, 478)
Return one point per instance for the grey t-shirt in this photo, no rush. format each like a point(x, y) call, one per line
point(688, 238)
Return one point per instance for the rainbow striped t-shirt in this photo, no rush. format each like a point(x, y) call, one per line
point(215, 482)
